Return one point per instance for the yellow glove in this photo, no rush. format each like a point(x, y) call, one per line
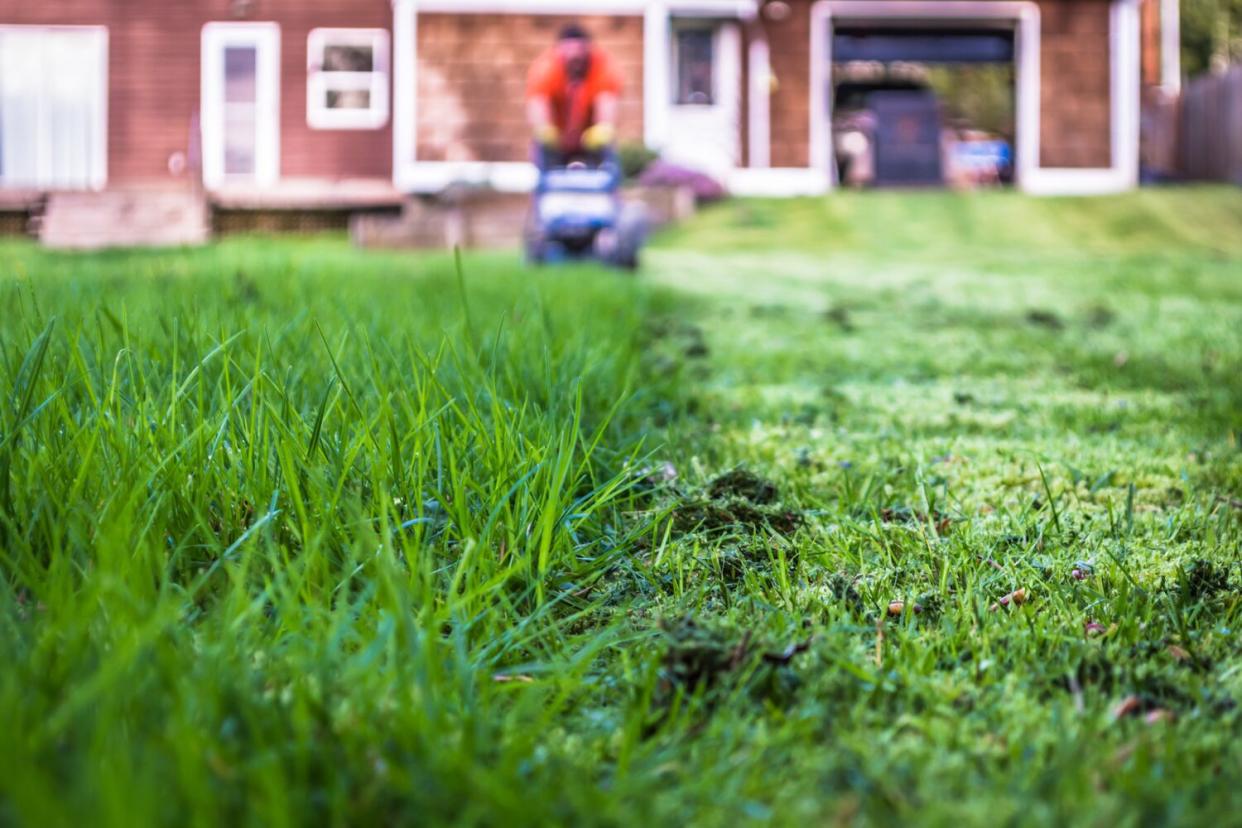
point(548, 135)
point(599, 136)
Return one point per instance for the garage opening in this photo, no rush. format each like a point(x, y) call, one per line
point(923, 106)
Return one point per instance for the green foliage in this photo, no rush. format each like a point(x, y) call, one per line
point(300, 534)
point(1211, 31)
point(980, 95)
point(635, 156)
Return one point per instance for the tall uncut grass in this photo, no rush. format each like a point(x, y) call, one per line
point(272, 522)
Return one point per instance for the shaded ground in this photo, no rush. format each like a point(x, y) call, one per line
point(888, 507)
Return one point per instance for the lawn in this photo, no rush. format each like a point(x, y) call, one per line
point(891, 508)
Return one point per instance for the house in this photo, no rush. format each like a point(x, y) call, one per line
point(302, 107)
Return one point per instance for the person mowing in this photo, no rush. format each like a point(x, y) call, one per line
point(572, 101)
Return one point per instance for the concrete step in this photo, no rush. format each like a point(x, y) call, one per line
point(121, 218)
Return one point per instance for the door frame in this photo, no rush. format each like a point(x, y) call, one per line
point(265, 37)
point(1031, 175)
point(1023, 15)
point(727, 87)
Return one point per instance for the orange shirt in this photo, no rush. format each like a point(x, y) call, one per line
point(573, 102)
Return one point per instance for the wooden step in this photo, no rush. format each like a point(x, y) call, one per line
point(124, 218)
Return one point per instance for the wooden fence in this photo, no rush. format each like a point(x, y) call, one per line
point(1209, 146)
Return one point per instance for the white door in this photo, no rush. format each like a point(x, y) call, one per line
point(704, 128)
point(240, 109)
point(53, 107)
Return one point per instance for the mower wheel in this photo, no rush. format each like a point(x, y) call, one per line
point(631, 234)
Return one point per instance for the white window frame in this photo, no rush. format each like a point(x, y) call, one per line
point(319, 81)
point(265, 37)
point(99, 144)
point(678, 27)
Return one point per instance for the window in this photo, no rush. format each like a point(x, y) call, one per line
point(53, 107)
point(241, 74)
point(347, 86)
point(695, 58)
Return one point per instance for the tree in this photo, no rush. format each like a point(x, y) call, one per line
point(1211, 34)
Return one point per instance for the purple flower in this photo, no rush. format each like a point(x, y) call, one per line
point(664, 174)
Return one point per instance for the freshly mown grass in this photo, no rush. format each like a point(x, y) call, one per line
point(891, 508)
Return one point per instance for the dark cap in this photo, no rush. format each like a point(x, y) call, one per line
point(573, 31)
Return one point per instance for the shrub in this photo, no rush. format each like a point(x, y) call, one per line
point(635, 157)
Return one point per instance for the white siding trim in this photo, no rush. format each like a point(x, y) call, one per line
point(819, 150)
point(504, 176)
point(404, 91)
point(1171, 46)
point(777, 182)
point(657, 74)
point(265, 37)
point(759, 114)
point(1073, 181)
point(99, 149)
point(1125, 37)
point(1028, 102)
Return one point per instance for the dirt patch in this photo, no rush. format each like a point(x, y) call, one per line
point(840, 316)
point(743, 484)
point(699, 656)
point(1101, 316)
point(737, 500)
point(844, 589)
point(1045, 319)
point(1203, 580)
point(736, 559)
point(910, 517)
point(705, 655)
point(716, 517)
point(679, 338)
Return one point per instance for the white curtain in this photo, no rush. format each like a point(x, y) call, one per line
point(52, 103)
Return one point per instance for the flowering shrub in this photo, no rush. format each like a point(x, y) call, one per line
point(665, 174)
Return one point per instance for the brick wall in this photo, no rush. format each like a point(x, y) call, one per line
point(1076, 84)
point(472, 80)
point(153, 64)
point(789, 42)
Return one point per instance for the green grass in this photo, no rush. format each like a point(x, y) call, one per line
point(291, 533)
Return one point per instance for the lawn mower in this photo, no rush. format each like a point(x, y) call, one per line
point(577, 214)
